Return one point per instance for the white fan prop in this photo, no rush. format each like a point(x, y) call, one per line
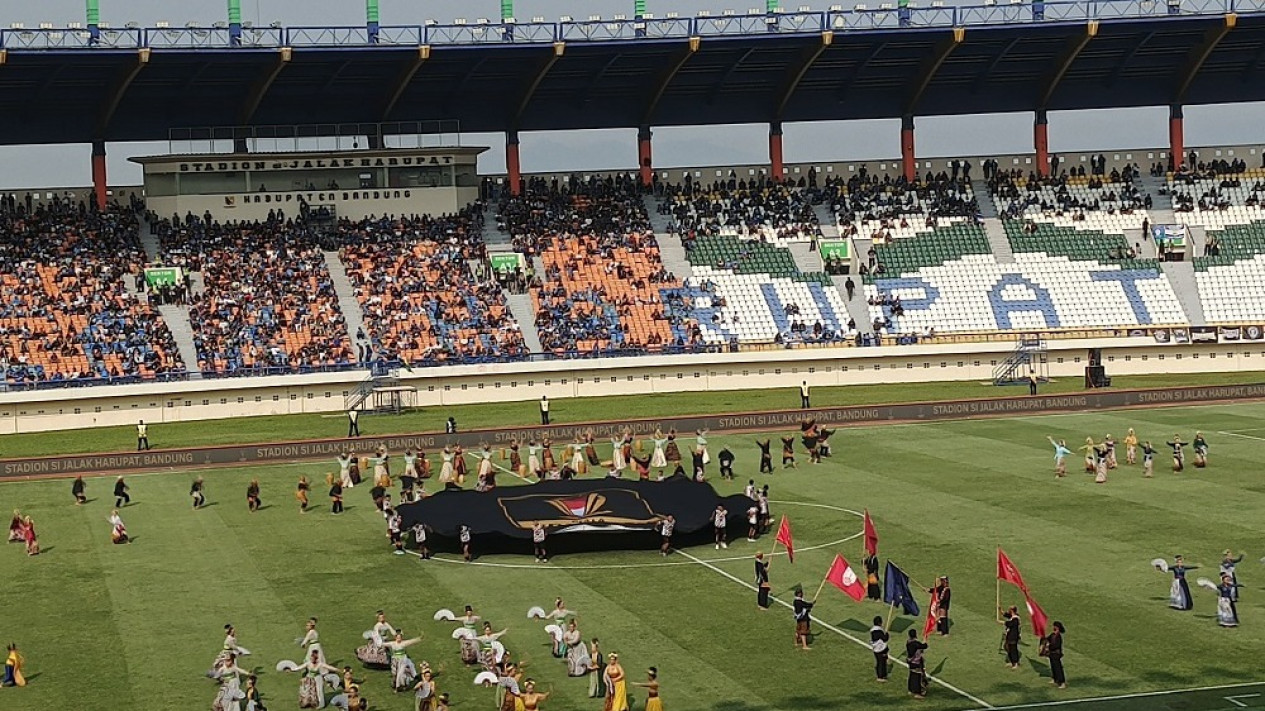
point(1206, 583)
point(536, 613)
point(445, 614)
point(1160, 564)
point(287, 666)
point(462, 633)
point(498, 651)
point(554, 631)
point(486, 677)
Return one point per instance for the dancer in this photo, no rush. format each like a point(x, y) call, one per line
point(719, 522)
point(419, 539)
point(196, 491)
point(658, 459)
point(465, 538)
point(618, 463)
point(944, 597)
point(597, 671)
point(300, 493)
point(1109, 449)
point(1010, 636)
point(403, 671)
point(788, 452)
point(488, 643)
point(516, 460)
point(538, 542)
point(626, 446)
point(1052, 646)
point(1101, 452)
point(873, 590)
point(916, 659)
point(579, 662)
point(230, 676)
point(532, 698)
point(666, 526)
point(651, 685)
point(312, 686)
point(616, 685)
point(700, 442)
point(408, 477)
point(1228, 566)
point(485, 464)
point(1148, 460)
point(1179, 455)
point(29, 537)
point(726, 459)
point(425, 691)
point(1060, 457)
point(344, 470)
point(1227, 607)
point(16, 534)
point(766, 459)
point(13, 663)
point(78, 490)
point(311, 642)
point(699, 466)
point(469, 645)
point(761, 582)
point(118, 531)
point(446, 455)
point(230, 649)
point(642, 467)
point(1091, 462)
point(121, 497)
point(335, 494)
point(254, 702)
point(533, 459)
point(1200, 446)
point(1131, 447)
point(374, 654)
point(671, 451)
point(803, 610)
point(1179, 592)
point(879, 639)
point(576, 458)
point(546, 453)
point(253, 502)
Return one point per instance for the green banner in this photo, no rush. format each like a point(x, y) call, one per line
point(835, 249)
point(505, 262)
point(159, 276)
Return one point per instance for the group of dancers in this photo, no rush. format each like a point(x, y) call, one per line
point(1226, 587)
point(1100, 457)
point(22, 527)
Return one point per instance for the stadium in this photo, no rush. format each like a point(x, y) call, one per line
point(632, 439)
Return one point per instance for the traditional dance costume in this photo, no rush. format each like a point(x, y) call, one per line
point(118, 531)
point(311, 642)
point(312, 685)
point(873, 590)
point(533, 459)
point(546, 454)
point(618, 463)
point(1060, 459)
point(1179, 592)
point(459, 465)
point(1201, 451)
point(788, 451)
point(1228, 566)
point(446, 471)
point(1148, 461)
point(1012, 640)
point(590, 451)
point(485, 463)
point(17, 532)
point(879, 639)
point(700, 442)
point(516, 460)
point(915, 651)
point(13, 670)
point(762, 584)
point(657, 459)
point(344, 471)
point(597, 674)
point(403, 671)
point(374, 654)
point(671, 452)
point(616, 688)
point(424, 695)
point(230, 695)
point(1227, 610)
point(766, 458)
point(579, 662)
point(1179, 455)
point(577, 456)
point(1130, 447)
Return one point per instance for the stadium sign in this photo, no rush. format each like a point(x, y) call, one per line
point(332, 161)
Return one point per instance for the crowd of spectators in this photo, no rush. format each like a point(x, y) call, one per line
point(1068, 194)
point(771, 212)
point(66, 314)
point(871, 205)
point(426, 290)
point(268, 303)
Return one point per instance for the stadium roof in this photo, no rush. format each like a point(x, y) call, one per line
point(72, 85)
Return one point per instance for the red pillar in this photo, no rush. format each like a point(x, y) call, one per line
point(98, 173)
point(513, 168)
point(907, 159)
point(1041, 142)
point(644, 163)
point(776, 166)
point(1176, 136)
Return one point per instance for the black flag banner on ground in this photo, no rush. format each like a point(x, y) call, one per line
point(575, 506)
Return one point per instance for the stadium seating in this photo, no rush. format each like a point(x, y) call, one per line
point(1103, 204)
point(886, 208)
point(774, 213)
point(268, 303)
point(422, 303)
point(928, 249)
point(66, 315)
point(1071, 242)
point(1218, 200)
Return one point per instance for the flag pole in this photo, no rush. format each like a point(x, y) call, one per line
point(891, 610)
point(998, 581)
point(822, 586)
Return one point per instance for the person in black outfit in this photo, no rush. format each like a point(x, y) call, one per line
point(253, 501)
point(78, 490)
point(353, 423)
point(726, 459)
point(1053, 648)
point(335, 495)
point(121, 497)
point(450, 427)
point(1011, 638)
point(803, 619)
point(766, 458)
point(761, 581)
point(700, 469)
point(915, 657)
point(199, 498)
point(872, 588)
point(944, 597)
point(878, 644)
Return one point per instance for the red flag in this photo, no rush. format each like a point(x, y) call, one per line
point(784, 537)
point(842, 576)
point(871, 536)
point(933, 614)
point(1007, 572)
point(1039, 619)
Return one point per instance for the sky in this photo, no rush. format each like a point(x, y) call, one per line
point(69, 165)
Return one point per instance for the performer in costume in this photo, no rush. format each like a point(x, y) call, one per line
point(533, 459)
point(485, 462)
point(916, 659)
point(879, 639)
point(726, 459)
point(469, 645)
point(1179, 592)
point(579, 662)
point(118, 531)
point(16, 534)
point(761, 582)
point(121, 497)
point(719, 524)
point(823, 442)
point(516, 459)
point(487, 648)
point(29, 537)
point(229, 650)
point(395, 531)
point(13, 663)
point(753, 522)
point(766, 458)
point(447, 469)
point(424, 692)
point(466, 539)
point(253, 502)
point(374, 654)
point(1228, 566)
point(78, 490)
point(1148, 460)
point(311, 642)
point(300, 493)
point(671, 451)
point(766, 514)
point(382, 467)
point(1053, 648)
point(1109, 446)
point(616, 685)
point(873, 590)
point(666, 526)
point(590, 449)
point(618, 463)
point(538, 542)
point(642, 466)
point(1101, 454)
point(532, 698)
point(312, 686)
point(459, 465)
point(626, 446)
point(1010, 636)
point(1200, 446)
point(230, 695)
point(788, 452)
point(1060, 457)
point(658, 459)
point(403, 671)
point(1131, 447)
point(335, 494)
point(1091, 464)
point(1179, 455)
point(944, 597)
point(597, 671)
point(254, 702)
point(408, 477)
point(700, 442)
point(577, 456)
point(509, 689)
point(651, 685)
point(344, 470)
point(1227, 607)
point(699, 466)
point(546, 453)
point(803, 610)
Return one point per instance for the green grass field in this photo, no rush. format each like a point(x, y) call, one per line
point(108, 627)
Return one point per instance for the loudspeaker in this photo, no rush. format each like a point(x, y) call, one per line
point(1095, 357)
point(1096, 377)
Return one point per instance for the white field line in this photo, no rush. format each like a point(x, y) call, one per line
point(1121, 697)
point(1242, 436)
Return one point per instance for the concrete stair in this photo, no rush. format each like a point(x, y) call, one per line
point(149, 241)
point(177, 318)
point(671, 250)
point(858, 310)
point(987, 208)
point(1181, 275)
point(998, 241)
point(1147, 245)
point(807, 259)
point(520, 307)
point(347, 302)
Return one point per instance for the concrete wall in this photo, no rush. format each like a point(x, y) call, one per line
point(351, 204)
point(467, 384)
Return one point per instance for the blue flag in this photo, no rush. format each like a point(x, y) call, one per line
point(896, 590)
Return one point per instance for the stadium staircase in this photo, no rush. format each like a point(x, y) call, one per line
point(376, 394)
point(495, 239)
point(347, 302)
point(177, 318)
point(998, 240)
point(671, 250)
point(149, 241)
point(987, 208)
point(1029, 356)
point(524, 314)
point(807, 259)
point(1196, 238)
point(1181, 275)
point(858, 310)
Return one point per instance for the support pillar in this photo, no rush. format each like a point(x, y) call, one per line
point(645, 164)
point(513, 169)
point(98, 173)
point(372, 17)
point(1041, 142)
point(1176, 137)
point(776, 168)
point(908, 162)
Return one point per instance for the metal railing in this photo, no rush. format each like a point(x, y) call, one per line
point(861, 17)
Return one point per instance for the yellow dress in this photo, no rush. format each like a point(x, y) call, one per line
point(617, 690)
point(15, 661)
point(654, 703)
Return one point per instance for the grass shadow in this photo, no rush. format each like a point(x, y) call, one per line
point(1042, 669)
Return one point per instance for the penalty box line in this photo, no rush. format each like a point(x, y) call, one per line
point(964, 694)
point(1138, 695)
